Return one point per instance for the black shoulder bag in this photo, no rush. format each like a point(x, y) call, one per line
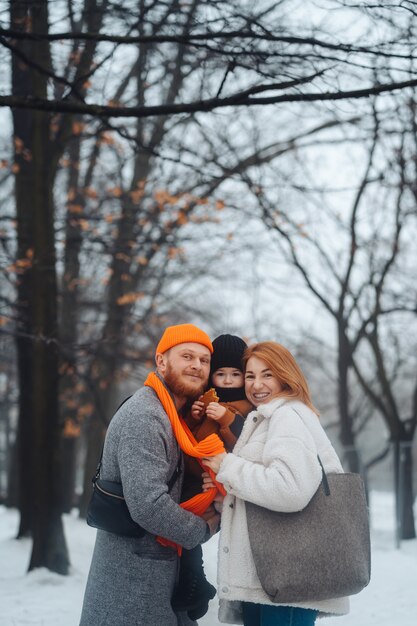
point(108, 510)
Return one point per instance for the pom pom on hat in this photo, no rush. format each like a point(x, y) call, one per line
point(228, 352)
point(183, 333)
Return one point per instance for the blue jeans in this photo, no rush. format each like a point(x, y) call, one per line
point(269, 615)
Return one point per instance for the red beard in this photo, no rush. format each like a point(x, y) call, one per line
point(181, 388)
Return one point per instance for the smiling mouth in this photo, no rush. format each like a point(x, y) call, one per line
point(260, 396)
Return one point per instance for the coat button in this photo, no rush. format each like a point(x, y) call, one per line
point(231, 505)
point(225, 549)
point(225, 589)
point(255, 419)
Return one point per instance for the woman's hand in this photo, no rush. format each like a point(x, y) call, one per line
point(214, 462)
point(197, 409)
point(215, 411)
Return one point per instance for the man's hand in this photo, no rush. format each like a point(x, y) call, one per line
point(209, 512)
point(213, 521)
point(215, 411)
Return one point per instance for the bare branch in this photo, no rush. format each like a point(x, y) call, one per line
point(238, 99)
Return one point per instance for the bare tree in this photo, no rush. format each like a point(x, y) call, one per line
point(355, 286)
point(100, 120)
point(251, 47)
point(38, 147)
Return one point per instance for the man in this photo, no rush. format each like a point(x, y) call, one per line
point(131, 580)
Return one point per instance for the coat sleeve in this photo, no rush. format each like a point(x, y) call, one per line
point(288, 472)
point(145, 471)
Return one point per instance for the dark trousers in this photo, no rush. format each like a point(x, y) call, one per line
point(270, 615)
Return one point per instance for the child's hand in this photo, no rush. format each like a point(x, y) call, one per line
point(208, 482)
point(197, 409)
point(215, 411)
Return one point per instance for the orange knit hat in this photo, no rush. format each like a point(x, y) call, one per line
point(183, 333)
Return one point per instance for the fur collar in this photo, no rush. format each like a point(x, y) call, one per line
point(267, 410)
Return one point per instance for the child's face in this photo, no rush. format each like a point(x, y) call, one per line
point(228, 377)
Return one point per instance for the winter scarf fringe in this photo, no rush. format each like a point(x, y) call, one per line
point(210, 446)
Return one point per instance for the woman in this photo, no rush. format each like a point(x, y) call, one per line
point(274, 464)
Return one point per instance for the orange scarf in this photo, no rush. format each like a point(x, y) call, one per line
point(209, 446)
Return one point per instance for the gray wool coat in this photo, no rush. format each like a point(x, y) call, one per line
point(131, 580)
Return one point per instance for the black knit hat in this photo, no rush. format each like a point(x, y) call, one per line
point(227, 352)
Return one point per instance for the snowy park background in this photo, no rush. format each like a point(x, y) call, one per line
point(289, 215)
point(42, 598)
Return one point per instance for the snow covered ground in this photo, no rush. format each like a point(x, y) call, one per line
point(45, 599)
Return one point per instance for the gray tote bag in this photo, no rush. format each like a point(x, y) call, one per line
point(318, 553)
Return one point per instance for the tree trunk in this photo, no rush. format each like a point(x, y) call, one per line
point(49, 548)
point(96, 428)
point(95, 432)
point(12, 498)
point(404, 496)
point(38, 354)
point(68, 451)
point(346, 432)
point(70, 399)
point(407, 514)
point(22, 121)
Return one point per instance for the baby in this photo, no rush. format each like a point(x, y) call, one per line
point(225, 418)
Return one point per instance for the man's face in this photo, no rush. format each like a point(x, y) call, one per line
point(185, 369)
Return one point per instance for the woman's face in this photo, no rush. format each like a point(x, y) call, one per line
point(260, 384)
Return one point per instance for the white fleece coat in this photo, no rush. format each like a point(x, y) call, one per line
point(274, 464)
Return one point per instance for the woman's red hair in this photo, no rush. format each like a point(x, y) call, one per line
point(284, 367)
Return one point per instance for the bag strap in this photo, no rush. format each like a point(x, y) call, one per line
point(98, 468)
point(171, 481)
point(324, 481)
